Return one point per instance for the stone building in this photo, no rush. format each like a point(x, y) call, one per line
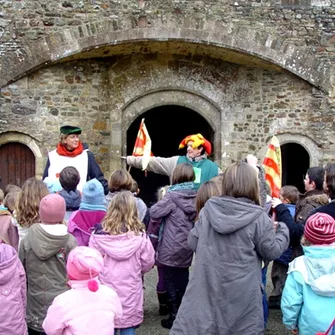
point(237, 71)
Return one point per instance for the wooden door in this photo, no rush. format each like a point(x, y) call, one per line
point(17, 164)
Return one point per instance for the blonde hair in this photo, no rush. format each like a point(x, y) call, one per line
point(28, 202)
point(161, 192)
point(122, 216)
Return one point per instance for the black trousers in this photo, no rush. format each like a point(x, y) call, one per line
point(35, 332)
point(176, 280)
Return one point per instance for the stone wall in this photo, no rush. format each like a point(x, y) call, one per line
point(261, 67)
point(252, 103)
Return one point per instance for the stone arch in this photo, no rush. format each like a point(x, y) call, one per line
point(86, 40)
point(313, 150)
point(139, 105)
point(30, 142)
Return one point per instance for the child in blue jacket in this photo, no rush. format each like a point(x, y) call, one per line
point(308, 300)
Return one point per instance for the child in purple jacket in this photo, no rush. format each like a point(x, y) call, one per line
point(178, 212)
point(91, 212)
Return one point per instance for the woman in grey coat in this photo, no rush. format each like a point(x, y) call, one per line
point(231, 238)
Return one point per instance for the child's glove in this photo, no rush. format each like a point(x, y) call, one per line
point(295, 331)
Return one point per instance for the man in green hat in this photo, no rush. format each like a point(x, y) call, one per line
point(71, 151)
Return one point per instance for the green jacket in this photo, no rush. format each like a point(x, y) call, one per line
point(43, 252)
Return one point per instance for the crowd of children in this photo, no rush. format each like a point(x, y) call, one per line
point(73, 262)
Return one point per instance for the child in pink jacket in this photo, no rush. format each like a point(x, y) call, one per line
point(128, 253)
point(12, 292)
point(89, 307)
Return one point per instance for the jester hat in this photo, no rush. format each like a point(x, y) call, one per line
point(198, 140)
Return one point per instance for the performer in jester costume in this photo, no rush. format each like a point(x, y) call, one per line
point(198, 148)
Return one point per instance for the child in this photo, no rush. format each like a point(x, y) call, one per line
point(26, 211)
point(153, 231)
point(43, 252)
point(121, 180)
point(53, 184)
point(207, 190)
point(11, 188)
point(13, 292)
point(76, 311)
point(2, 196)
point(177, 210)
point(308, 300)
point(7, 230)
point(134, 188)
point(127, 253)
point(91, 212)
point(288, 196)
point(231, 237)
point(69, 179)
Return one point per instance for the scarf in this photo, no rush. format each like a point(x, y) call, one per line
point(62, 151)
point(183, 186)
point(197, 159)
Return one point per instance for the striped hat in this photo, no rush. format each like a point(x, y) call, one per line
point(320, 229)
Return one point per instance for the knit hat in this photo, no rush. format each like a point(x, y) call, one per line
point(85, 263)
point(52, 209)
point(53, 184)
point(93, 196)
point(320, 229)
point(198, 140)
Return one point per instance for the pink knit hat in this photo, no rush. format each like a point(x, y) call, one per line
point(52, 209)
point(85, 263)
point(320, 229)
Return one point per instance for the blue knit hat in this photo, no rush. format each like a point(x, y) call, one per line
point(93, 197)
point(53, 184)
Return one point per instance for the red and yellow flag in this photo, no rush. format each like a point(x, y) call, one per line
point(142, 145)
point(272, 167)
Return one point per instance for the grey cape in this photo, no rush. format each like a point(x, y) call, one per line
point(224, 295)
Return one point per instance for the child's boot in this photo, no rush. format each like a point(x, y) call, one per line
point(168, 323)
point(163, 303)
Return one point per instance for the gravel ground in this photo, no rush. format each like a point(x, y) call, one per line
point(152, 326)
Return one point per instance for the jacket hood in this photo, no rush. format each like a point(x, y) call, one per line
point(185, 200)
point(72, 199)
point(46, 244)
point(318, 270)
point(85, 220)
point(227, 215)
point(8, 259)
point(119, 247)
point(321, 199)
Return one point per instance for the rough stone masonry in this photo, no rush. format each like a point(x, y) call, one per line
point(250, 68)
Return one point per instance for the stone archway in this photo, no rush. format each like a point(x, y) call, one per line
point(167, 126)
point(103, 38)
point(295, 163)
point(313, 150)
point(139, 105)
point(30, 142)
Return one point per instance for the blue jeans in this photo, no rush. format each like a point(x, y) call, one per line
point(125, 331)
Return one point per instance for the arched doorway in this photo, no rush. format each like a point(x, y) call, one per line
point(17, 163)
point(295, 163)
point(167, 126)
